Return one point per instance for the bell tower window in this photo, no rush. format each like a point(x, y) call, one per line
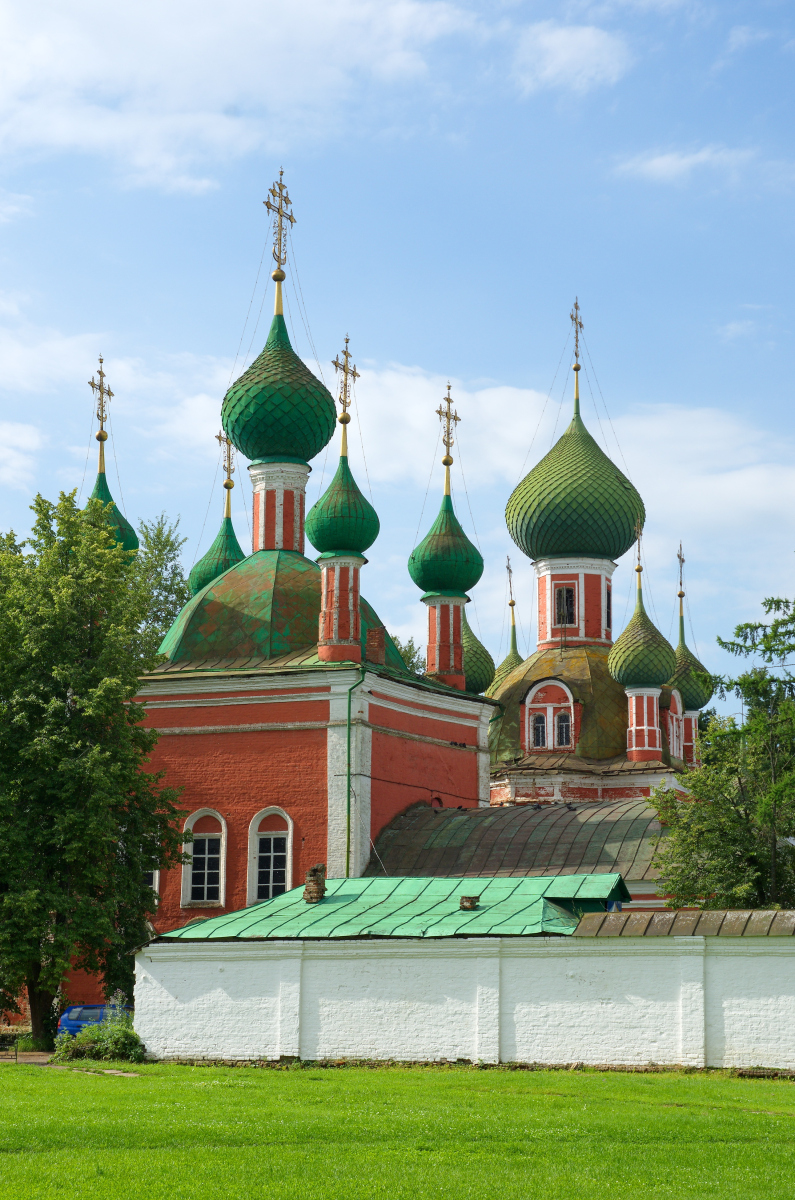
point(563, 721)
point(564, 606)
point(539, 730)
point(609, 609)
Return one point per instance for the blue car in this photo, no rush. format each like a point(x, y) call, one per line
point(77, 1016)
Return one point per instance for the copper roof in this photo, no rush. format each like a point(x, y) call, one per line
point(718, 922)
point(520, 840)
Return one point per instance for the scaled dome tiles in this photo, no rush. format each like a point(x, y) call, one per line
point(478, 663)
point(277, 409)
point(445, 560)
point(125, 534)
point(574, 502)
point(342, 519)
point(224, 553)
point(695, 694)
point(641, 657)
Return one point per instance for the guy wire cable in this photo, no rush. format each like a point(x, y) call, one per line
point(558, 414)
point(207, 513)
point(544, 409)
point(245, 323)
point(256, 326)
point(361, 439)
point(301, 302)
point(604, 402)
point(428, 488)
point(115, 463)
point(472, 518)
point(88, 450)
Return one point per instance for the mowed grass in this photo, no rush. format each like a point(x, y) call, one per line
point(202, 1132)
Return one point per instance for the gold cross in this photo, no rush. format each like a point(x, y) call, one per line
point(577, 323)
point(681, 558)
point(349, 376)
point(449, 418)
point(638, 531)
point(228, 451)
point(279, 203)
point(509, 569)
point(103, 394)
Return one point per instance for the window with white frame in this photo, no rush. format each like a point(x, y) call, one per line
point(270, 848)
point(271, 865)
point(539, 730)
point(205, 871)
point(563, 729)
point(565, 606)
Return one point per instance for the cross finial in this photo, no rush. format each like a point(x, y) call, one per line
point(576, 321)
point(229, 469)
point(681, 558)
point(638, 532)
point(103, 394)
point(449, 419)
point(509, 569)
point(280, 205)
point(349, 377)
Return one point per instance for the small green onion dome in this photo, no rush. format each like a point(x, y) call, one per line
point(695, 694)
point(478, 663)
point(342, 519)
point(574, 502)
point(446, 560)
point(125, 534)
point(224, 553)
point(508, 664)
point(277, 408)
point(641, 657)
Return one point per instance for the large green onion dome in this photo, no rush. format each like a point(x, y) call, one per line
point(445, 560)
point(277, 409)
point(695, 694)
point(512, 660)
point(125, 534)
point(342, 519)
point(641, 657)
point(478, 663)
point(224, 553)
point(574, 502)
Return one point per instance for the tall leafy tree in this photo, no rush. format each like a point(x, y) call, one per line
point(411, 654)
point(82, 820)
point(159, 564)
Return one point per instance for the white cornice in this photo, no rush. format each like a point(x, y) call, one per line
point(591, 566)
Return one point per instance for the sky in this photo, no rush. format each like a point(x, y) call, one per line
point(459, 172)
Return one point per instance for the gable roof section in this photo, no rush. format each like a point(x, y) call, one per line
point(416, 908)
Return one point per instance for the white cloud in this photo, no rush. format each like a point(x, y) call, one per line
point(575, 57)
point(18, 444)
point(743, 36)
point(733, 330)
point(676, 166)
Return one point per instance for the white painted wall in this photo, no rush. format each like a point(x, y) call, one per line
point(693, 1001)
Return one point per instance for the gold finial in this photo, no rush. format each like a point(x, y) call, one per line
point(449, 419)
point(229, 469)
point(280, 204)
point(638, 532)
point(349, 377)
point(681, 592)
point(103, 395)
point(511, 602)
point(576, 321)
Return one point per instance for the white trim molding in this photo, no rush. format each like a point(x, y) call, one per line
point(253, 850)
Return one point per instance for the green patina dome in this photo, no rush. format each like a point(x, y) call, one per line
point(574, 502)
point(445, 560)
point(478, 663)
point(224, 553)
point(265, 607)
point(342, 519)
point(277, 408)
point(125, 534)
point(508, 664)
point(695, 694)
point(641, 657)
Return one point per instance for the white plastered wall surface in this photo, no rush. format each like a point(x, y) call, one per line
point(687, 1001)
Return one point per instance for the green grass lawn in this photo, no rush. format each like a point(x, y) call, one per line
point(202, 1132)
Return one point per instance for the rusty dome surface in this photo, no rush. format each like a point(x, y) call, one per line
point(520, 840)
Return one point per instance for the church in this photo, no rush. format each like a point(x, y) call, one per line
point(299, 736)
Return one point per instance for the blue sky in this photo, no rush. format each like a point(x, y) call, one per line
point(459, 171)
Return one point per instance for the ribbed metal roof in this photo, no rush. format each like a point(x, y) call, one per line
point(714, 922)
point(416, 908)
point(520, 841)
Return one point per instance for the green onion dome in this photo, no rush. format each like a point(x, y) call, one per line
point(478, 663)
point(695, 694)
point(641, 657)
point(342, 519)
point(446, 560)
point(125, 534)
point(224, 553)
point(277, 409)
point(508, 664)
point(574, 502)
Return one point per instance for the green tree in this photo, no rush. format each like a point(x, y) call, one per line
point(159, 563)
point(411, 654)
point(82, 820)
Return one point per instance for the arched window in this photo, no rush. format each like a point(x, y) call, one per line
point(204, 877)
point(270, 855)
point(539, 730)
point(563, 720)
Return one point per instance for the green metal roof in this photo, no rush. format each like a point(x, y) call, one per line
point(445, 560)
point(277, 407)
point(342, 519)
point(695, 695)
point(641, 657)
point(512, 660)
point(574, 501)
point(478, 663)
point(418, 908)
point(224, 553)
point(125, 534)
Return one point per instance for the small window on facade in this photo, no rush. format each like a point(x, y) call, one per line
point(539, 730)
point(149, 878)
point(609, 612)
point(272, 866)
point(205, 878)
point(564, 606)
point(564, 729)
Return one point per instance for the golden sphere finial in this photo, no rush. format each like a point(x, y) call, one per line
point(511, 603)
point(447, 461)
point(681, 595)
point(344, 418)
point(278, 275)
point(229, 484)
point(639, 568)
point(576, 367)
point(101, 436)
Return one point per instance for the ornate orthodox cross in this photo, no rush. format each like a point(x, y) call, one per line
point(280, 205)
point(509, 569)
point(349, 376)
point(681, 558)
point(576, 321)
point(103, 395)
point(228, 452)
point(449, 419)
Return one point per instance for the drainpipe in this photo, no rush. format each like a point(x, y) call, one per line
point(362, 673)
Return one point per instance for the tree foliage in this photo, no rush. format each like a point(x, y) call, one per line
point(82, 820)
point(411, 654)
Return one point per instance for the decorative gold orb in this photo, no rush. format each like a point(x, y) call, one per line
point(511, 603)
point(229, 484)
point(447, 461)
point(638, 568)
point(681, 595)
point(576, 367)
point(345, 419)
point(102, 436)
point(278, 275)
